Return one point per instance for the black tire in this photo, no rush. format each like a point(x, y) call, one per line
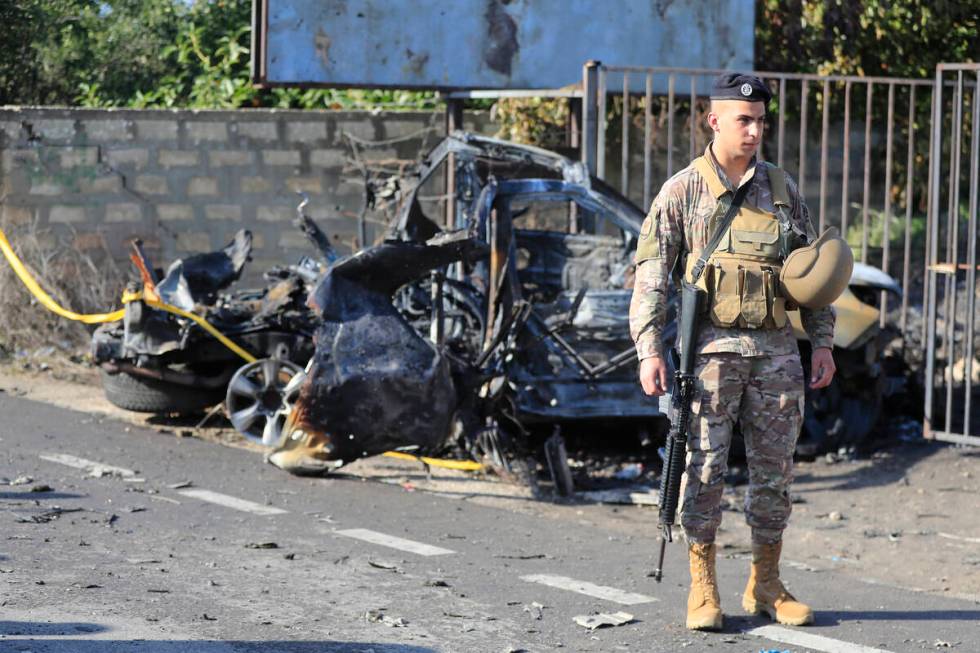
point(144, 395)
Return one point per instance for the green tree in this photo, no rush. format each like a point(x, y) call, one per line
point(893, 38)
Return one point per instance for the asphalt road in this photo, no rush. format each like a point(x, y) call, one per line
point(169, 550)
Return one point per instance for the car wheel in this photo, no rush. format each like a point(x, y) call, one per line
point(260, 397)
point(145, 395)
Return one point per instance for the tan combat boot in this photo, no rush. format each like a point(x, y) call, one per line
point(765, 592)
point(703, 602)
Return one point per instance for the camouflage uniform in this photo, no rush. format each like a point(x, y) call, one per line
point(749, 376)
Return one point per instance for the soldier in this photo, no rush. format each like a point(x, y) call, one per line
point(748, 364)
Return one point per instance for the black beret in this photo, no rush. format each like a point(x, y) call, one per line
point(736, 86)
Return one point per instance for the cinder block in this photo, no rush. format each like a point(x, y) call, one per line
point(202, 186)
point(379, 153)
point(174, 212)
point(123, 212)
point(174, 158)
point(281, 157)
point(46, 187)
point(362, 129)
point(402, 128)
point(11, 129)
point(134, 157)
point(86, 242)
point(193, 241)
point(221, 158)
point(151, 185)
point(104, 131)
point(66, 214)
point(157, 130)
point(305, 184)
point(54, 130)
point(15, 215)
point(255, 185)
point(260, 131)
point(19, 158)
point(223, 212)
point(305, 132)
point(274, 213)
point(328, 158)
point(110, 183)
point(206, 131)
point(293, 240)
point(79, 156)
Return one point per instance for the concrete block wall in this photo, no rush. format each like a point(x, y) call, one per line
point(185, 181)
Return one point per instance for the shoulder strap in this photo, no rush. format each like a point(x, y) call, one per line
point(710, 176)
point(777, 183)
point(726, 222)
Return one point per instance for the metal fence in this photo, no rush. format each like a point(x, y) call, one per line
point(952, 370)
point(862, 164)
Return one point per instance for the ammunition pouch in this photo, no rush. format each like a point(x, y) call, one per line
point(743, 294)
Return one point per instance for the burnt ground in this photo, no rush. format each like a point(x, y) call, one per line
point(904, 515)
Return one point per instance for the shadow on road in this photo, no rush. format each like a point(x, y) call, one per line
point(202, 646)
point(835, 617)
point(881, 472)
point(38, 629)
point(37, 496)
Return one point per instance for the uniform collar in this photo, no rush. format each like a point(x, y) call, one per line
point(746, 178)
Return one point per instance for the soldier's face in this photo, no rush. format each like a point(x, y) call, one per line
point(738, 126)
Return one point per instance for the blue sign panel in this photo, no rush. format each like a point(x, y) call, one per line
point(490, 44)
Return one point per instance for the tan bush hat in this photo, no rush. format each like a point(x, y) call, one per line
point(816, 275)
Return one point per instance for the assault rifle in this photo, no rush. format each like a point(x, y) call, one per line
point(692, 300)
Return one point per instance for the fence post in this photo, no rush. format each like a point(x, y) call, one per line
point(590, 117)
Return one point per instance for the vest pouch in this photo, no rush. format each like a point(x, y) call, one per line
point(777, 304)
point(754, 233)
point(725, 296)
point(755, 306)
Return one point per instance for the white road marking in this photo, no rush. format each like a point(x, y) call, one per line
point(374, 537)
point(231, 502)
point(808, 640)
point(950, 536)
point(589, 589)
point(90, 466)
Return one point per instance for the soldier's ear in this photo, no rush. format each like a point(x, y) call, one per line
point(713, 121)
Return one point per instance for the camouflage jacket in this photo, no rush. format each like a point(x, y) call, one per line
point(679, 221)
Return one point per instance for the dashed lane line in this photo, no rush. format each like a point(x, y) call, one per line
point(90, 466)
point(390, 541)
point(590, 589)
point(231, 502)
point(809, 640)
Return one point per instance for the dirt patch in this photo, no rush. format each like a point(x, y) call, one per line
point(905, 516)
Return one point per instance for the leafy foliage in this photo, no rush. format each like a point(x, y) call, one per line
point(895, 38)
point(150, 53)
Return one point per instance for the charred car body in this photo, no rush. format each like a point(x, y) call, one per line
point(512, 316)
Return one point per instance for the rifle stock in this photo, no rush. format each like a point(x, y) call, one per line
point(692, 301)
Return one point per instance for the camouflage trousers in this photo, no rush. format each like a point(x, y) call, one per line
point(764, 396)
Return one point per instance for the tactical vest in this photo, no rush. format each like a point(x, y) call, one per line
point(742, 274)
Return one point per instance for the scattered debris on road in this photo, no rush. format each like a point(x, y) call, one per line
point(603, 620)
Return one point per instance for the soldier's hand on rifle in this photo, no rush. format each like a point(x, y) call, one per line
point(653, 375)
point(822, 368)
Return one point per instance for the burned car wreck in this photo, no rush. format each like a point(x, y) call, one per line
point(475, 333)
point(508, 320)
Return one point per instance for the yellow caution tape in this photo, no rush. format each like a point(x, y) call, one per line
point(115, 316)
point(45, 298)
point(204, 324)
point(464, 465)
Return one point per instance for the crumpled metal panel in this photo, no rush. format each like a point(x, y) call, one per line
point(375, 383)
